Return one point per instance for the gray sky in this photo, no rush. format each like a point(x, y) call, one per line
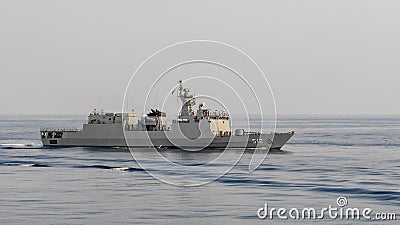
point(319, 56)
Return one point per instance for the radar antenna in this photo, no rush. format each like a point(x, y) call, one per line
point(187, 100)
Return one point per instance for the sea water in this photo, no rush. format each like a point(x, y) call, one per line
point(330, 156)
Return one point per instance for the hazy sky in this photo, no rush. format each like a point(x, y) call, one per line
point(319, 56)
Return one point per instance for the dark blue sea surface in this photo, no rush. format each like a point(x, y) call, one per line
point(355, 156)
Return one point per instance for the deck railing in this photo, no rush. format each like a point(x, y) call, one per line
point(44, 129)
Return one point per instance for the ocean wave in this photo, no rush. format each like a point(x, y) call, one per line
point(24, 164)
point(380, 195)
point(35, 165)
point(323, 143)
point(21, 146)
point(116, 168)
point(240, 181)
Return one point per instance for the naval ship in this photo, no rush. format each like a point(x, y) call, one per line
point(191, 130)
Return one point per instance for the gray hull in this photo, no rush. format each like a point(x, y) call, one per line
point(100, 135)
